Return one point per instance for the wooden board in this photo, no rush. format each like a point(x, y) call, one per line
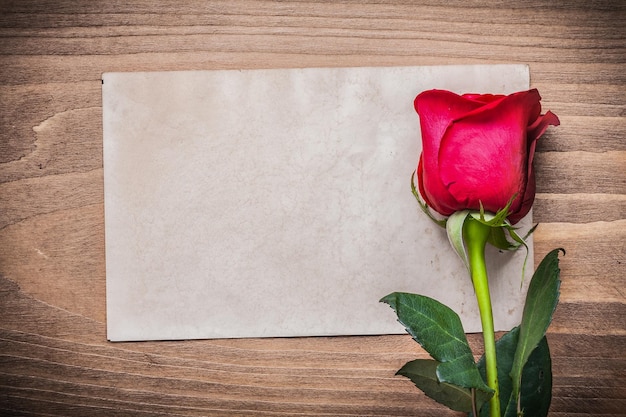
point(53, 351)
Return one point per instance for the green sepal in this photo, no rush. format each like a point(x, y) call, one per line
point(423, 373)
point(423, 205)
point(494, 220)
point(438, 329)
point(521, 242)
point(454, 228)
point(500, 228)
point(497, 238)
point(499, 223)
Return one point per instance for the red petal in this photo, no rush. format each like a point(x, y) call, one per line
point(437, 109)
point(527, 200)
point(484, 155)
point(420, 182)
point(483, 98)
point(535, 130)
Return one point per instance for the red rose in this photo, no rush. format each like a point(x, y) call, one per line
point(479, 148)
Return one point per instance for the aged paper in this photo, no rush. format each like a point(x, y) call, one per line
point(270, 203)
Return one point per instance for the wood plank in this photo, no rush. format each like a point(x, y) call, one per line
point(54, 358)
point(579, 207)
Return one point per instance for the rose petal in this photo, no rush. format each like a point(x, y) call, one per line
point(437, 109)
point(535, 131)
point(527, 200)
point(483, 98)
point(483, 155)
point(420, 182)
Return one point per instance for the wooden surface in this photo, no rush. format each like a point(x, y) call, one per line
point(54, 357)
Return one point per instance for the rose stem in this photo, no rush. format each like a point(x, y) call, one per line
point(476, 234)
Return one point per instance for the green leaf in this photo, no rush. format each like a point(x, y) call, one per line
point(505, 350)
point(454, 227)
point(439, 331)
point(423, 373)
point(541, 301)
point(536, 388)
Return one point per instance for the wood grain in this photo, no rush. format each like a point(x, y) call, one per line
point(54, 358)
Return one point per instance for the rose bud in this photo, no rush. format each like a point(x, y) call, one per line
point(478, 150)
